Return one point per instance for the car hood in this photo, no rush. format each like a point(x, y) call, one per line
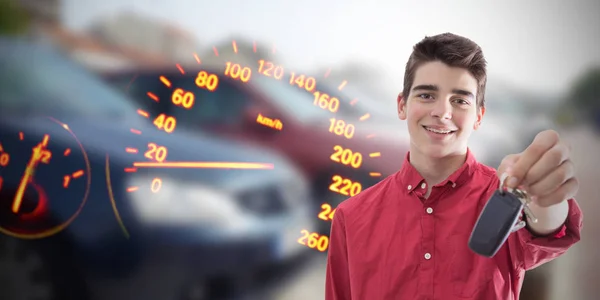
point(111, 138)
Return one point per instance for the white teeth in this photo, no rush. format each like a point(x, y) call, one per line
point(438, 131)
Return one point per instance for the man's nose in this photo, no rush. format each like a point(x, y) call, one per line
point(442, 109)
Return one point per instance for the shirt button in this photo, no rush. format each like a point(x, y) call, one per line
point(409, 187)
point(427, 256)
point(423, 185)
point(429, 210)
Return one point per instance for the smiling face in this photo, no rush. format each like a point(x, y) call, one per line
point(440, 110)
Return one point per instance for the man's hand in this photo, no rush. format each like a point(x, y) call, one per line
point(544, 170)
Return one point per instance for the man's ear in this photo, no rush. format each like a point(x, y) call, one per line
point(480, 113)
point(401, 107)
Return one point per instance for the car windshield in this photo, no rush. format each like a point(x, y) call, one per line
point(36, 79)
point(294, 101)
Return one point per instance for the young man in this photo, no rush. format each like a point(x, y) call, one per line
point(407, 236)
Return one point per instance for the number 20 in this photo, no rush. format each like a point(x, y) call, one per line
point(348, 188)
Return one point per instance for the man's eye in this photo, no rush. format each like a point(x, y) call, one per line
point(462, 102)
point(425, 96)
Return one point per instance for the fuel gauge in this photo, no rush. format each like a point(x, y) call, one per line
point(44, 180)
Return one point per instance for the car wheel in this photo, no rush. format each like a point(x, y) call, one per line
point(27, 274)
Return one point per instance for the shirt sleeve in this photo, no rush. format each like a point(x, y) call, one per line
point(337, 281)
point(529, 251)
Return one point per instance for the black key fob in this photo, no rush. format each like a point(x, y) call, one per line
point(495, 223)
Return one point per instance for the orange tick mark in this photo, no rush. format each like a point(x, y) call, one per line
point(78, 174)
point(370, 136)
point(197, 58)
point(353, 102)
point(215, 51)
point(130, 170)
point(165, 81)
point(132, 189)
point(180, 69)
point(142, 113)
point(131, 150)
point(152, 96)
point(67, 152)
point(234, 44)
point(327, 73)
point(66, 181)
point(365, 116)
point(375, 154)
point(375, 174)
point(21, 136)
point(135, 131)
point(342, 85)
point(254, 46)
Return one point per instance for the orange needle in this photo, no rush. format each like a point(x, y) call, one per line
point(29, 171)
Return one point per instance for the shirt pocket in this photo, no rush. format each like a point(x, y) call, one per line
point(470, 273)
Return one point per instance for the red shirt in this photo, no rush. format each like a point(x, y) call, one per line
point(388, 242)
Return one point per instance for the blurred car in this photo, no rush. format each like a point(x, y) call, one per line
point(205, 233)
point(231, 111)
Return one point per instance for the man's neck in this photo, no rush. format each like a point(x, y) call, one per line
point(436, 170)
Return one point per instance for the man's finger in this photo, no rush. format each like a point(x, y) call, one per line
point(507, 162)
point(543, 142)
point(549, 161)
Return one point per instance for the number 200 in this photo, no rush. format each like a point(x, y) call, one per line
point(348, 188)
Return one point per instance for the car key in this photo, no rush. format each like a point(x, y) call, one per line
point(499, 218)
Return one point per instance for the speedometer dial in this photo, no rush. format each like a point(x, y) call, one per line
point(242, 96)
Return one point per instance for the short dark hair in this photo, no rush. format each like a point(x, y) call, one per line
point(453, 50)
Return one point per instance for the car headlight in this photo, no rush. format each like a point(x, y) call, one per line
point(186, 203)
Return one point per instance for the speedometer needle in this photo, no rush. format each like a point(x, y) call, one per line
point(33, 161)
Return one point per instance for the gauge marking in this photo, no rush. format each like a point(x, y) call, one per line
point(112, 199)
point(36, 157)
point(135, 131)
point(342, 85)
point(346, 156)
point(152, 96)
point(268, 122)
point(4, 158)
point(265, 68)
point(131, 150)
point(254, 46)
point(21, 137)
point(197, 58)
point(215, 51)
point(165, 81)
point(365, 117)
point(143, 113)
point(132, 189)
point(235, 49)
point(375, 154)
point(375, 174)
point(370, 136)
point(1, 181)
point(130, 170)
point(327, 73)
point(203, 165)
point(326, 102)
point(67, 152)
point(353, 102)
point(67, 178)
point(180, 69)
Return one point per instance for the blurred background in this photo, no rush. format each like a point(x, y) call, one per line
point(234, 232)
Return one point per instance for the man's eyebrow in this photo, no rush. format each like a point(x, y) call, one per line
point(432, 87)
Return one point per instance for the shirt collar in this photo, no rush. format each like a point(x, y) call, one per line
point(410, 177)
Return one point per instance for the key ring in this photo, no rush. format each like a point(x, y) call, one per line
point(522, 196)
